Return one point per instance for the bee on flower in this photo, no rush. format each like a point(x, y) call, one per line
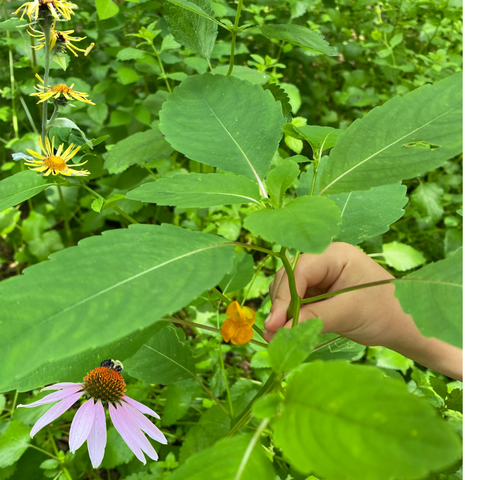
point(57, 91)
point(103, 386)
point(62, 40)
point(237, 328)
point(41, 7)
point(52, 162)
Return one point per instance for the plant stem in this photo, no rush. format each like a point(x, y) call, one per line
point(47, 30)
point(254, 247)
point(222, 364)
point(14, 403)
point(66, 221)
point(234, 37)
point(160, 63)
point(294, 307)
point(251, 446)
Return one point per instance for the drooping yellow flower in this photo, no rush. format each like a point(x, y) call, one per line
point(237, 328)
point(32, 9)
point(55, 162)
point(57, 90)
point(64, 40)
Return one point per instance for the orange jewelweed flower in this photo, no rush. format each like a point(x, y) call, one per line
point(32, 9)
point(55, 162)
point(237, 328)
point(58, 90)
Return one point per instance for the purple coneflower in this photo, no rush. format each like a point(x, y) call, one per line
point(103, 386)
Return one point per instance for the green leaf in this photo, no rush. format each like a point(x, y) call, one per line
point(198, 190)
point(427, 200)
point(342, 349)
point(344, 421)
point(435, 301)
point(299, 35)
point(193, 6)
point(130, 53)
point(240, 276)
point(243, 73)
point(127, 75)
point(115, 276)
point(165, 358)
point(368, 213)
point(378, 150)
point(106, 9)
point(291, 346)
point(212, 426)
point(139, 148)
point(13, 443)
point(190, 29)
point(280, 178)
point(222, 462)
point(267, 406)
point(306, 224)
point(66, 123)
point(318, 137)
point(178, 398)
point(210, 119)
point(402, 257)
point(20, 187)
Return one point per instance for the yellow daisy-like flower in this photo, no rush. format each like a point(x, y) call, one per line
point(32, 9)
point(64, 40)
point(57, 90)
point(55, 162)
point(237, 328)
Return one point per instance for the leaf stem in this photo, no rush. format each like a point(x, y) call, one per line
point(234, 37)
point(222, 364)
point(160, 63)
point(254, 247)
point(294, 307)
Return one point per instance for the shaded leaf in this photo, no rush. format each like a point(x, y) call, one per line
point(241, 274)
point(280, 178)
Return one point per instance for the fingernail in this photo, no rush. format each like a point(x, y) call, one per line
point(268, 319)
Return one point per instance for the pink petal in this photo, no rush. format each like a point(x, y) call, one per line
point(53, 397)
point(55, 412)
point(145, 424)
point(59, 386)
point(98, 436)
point(81, 425)
point(125, 429)
point(140, 406)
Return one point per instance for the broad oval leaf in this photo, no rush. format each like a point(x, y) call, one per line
point(368, 213)
point(224, 122)
point(198, 190)
point(106, 9)
point(299, 35)
point(192, 30)
point(280, 178)
point(225, 461)
point(404, 138)
point(344, 421)
point(433, 297)
point(20, 187)
point(103, 289)
point(165, 358)
point(139, 148)
point(306, 224)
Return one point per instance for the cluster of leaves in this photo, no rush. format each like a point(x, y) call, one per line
point(103, 298)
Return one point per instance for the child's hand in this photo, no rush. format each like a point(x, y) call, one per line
point(370, 316)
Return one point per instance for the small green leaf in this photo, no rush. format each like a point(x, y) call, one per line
point(291, 346)
point(306, 224)
point(49, 464)
point(267, 406)
point(127, 75)
point(106, 9)
point(97, 205)
point(344, 421)
point(66, 123)
point(13, 443)
point(178, 398)
point(319, 137)
point(299, 35)
point(240, 275)
point(280, 178)
point(402, 257)
point(130, 53)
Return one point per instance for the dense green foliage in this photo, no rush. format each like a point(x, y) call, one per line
point(225, 138)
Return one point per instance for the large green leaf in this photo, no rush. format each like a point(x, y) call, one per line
point(225, 461)
point(435, 301)
point(404, 138)
point(306, 224)
point(74, 367)
point(198, 190)
point(13, 443)
point(21, 187)
point(88, 296)
point(344, 421)
point(139, 148)
point(291, 346)
point(224, 122)
point(165, 358)
point(299, 35)
point(368, 213)
point(190, 29)
point(191, 6)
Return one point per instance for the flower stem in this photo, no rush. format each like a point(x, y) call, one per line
point(222, 364)
point(160, 63)
point(66, 221)
point(47, 30)
point(234, 37)
point(294, 307)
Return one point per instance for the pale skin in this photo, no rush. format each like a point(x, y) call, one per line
point(370, 316)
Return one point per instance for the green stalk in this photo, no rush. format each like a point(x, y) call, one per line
point(234, 37)
point(295, 301)
point(254, 247)
point(160, 63)
point(222, 364)
point(47, 30)
point(65, 216)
